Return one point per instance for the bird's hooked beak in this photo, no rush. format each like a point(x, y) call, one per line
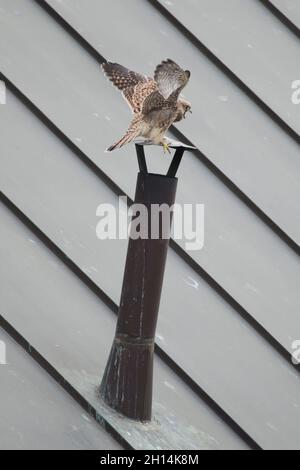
point(188, 110)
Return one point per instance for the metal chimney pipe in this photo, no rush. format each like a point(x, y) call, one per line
point(127, 382)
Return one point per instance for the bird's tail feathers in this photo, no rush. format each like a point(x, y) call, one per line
point(131, 134)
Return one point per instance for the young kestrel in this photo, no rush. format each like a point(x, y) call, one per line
point(155, 103)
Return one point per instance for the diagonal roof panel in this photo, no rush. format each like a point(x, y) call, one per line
point(37, 415)
point(252, 42)
point(290, 8)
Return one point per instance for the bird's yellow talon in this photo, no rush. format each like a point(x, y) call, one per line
point(166, 147)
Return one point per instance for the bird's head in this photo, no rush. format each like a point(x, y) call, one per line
point(183, 106)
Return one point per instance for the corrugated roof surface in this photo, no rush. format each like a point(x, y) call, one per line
point(229, 312)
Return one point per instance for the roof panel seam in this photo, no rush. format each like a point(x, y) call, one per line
point(281, 17)
point(67, 386)
point(284, 236)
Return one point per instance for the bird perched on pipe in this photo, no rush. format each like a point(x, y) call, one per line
point(155, 103)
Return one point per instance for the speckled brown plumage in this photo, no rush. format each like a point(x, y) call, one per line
point(155, 103)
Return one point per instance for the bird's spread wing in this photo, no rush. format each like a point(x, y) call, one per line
point(136, 96)
point(134, 86)
point(171, 79)
point(154, 101)
point(122, 77)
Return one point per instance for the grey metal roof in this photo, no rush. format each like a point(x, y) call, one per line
point(72, 329)
point(36, 414)
point(229, 312)
point(254, 49)
point(289, 9)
